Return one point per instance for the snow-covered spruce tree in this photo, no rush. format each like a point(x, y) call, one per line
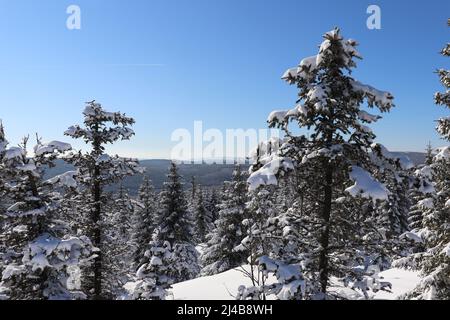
point(118, 243)
point(4, 204)
point(39, 246)
point(416, 212)
point(191, 197)
point(175, 227)
point(154, 277)
point(287, 192)
point(399, 205)
point(174, 224)
point(185, 262)
point(122, 214)
point(96, 169)
point(220, 254)
point(144, 220)
point(203, 220)
point(3, 141)
point(397, 174)
point(194, 188)
point(443, 98)
point(429, 154)
point(394, 172)
point(434, 263)
point(259, 240)
point(212, 204)
point(421, 192)
point(334, 233)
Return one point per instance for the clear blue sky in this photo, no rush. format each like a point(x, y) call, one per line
point(168, 63)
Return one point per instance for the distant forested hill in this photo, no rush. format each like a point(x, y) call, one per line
point(208, 175)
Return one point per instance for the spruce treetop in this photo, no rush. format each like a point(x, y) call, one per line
point(443, 98)
point(96, 129)
point(330, 108)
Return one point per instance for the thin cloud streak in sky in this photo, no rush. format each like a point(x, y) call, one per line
point(135, 65)
point(112, 65)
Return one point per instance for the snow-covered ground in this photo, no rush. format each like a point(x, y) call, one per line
point(224, 286)
point(402, 281)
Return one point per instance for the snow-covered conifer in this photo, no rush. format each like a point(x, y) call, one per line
point(40, 248)
point(185, 262)
point(203, 220)
point(332, 231)
point(144, 220)
point(259, 240)
point(434, 262)
point(421, 192)
point(118, 247)
point(154, 277)
point(175, 227)
point(395, 211)
point(174, 224)
point(220, 254)
point(96, 169)
point(429, 154)
point(212, 204)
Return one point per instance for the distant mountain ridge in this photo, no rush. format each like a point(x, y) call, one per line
point(207, 175)
point(416, 157)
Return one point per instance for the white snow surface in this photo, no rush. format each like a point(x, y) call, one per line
point(267, 174)
point(367, 117)
point(27, 167)
point(277, 115)
point(14, 152)
point(103, 158)
point(266, 154)
point(224, 286)
point(413, 236)
point(380, 98)
point(51, 147)
point(402, 281)
point(426, 203)
point(304, 69)
point(366, 186)
point(424, 172)
point(443, 154)
point(446, 250)
point(67, 179)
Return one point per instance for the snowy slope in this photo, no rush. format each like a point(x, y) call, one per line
point(224, 286)
point(402, 282)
